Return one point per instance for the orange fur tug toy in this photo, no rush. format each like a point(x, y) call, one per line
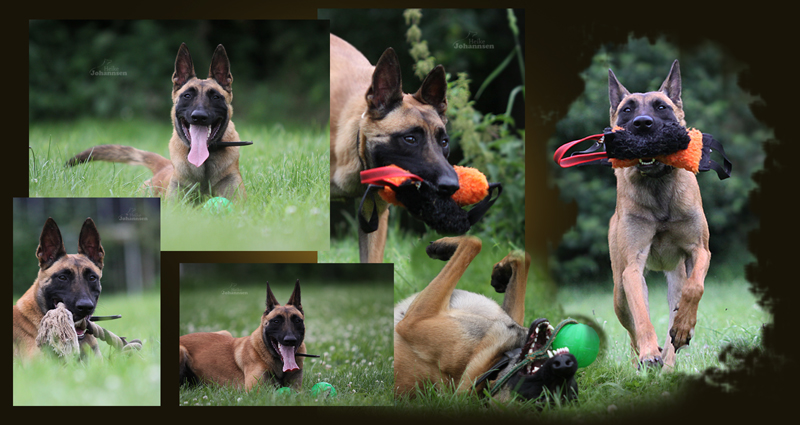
point(421, 198)
point(687, 158)
point(472, 187)
point(673, 145)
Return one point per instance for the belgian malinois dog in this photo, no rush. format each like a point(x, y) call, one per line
point(452, 337)
point(373, 124)
point(67, 285)
point(658, 224)
point(273, 353)
point(203, 150)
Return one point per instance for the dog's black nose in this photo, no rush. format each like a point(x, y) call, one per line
point(447, 185)
point(84, 307)
point(289, 340)
point(643, 122)
point(564, 365)
point(199, 117)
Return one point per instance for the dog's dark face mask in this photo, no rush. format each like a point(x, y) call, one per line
point(556, 373)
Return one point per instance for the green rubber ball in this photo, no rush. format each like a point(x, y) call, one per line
point(284, 391)
point(582, 341)
point(218, 204)
point(321, 388)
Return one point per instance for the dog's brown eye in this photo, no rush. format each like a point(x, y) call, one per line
point(187, 96)
point(445, 143)
point(62, 278)
point(410, 139)
point(626, 110)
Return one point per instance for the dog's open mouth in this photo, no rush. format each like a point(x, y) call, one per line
point(538, 336)
point(80, 324)
point(199, 137)
point(80, 328)
point(287, 354)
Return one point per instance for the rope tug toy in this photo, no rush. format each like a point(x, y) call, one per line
point(444, 214)
point(675, 146)
point(58, 331)
point(569, 336)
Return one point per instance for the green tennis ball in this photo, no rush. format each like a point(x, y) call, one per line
point(322, 387)
point(218, 204)
point(582, 341)
point(284, 391)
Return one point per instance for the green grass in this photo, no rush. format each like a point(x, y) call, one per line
point(285, 174)
point(116, 380)
point(612, 387)
point(349, 325)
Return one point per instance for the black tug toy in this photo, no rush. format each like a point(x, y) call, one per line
point(675, 146)
point(444, 214)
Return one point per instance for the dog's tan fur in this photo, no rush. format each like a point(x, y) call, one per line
point(365, 112)
point(219, 175)
point(451, 340)
point(658, 224)
point(31, 308)
point(241, 362)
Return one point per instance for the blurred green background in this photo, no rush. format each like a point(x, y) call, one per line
point(280, 68)
point(129, 230)
point(713, 103)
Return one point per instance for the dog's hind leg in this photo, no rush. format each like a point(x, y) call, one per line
point(675, 280)
point(459, 253)
point(510, 275)
point(187, 376)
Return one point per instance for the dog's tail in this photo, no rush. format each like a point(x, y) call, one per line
point(122, 154)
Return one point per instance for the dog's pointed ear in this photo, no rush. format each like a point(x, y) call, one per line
point(272, 302)
point(89, 243)
point(434, 90)
point(294, 300)
point(672, 85)
point(51, 246)
point(220, 69)
point(386, 90)
point(184, 68)
point(616, 91)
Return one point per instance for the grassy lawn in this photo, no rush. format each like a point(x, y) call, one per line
point(612, 387)
point(285, 174)
point(118, 379)
point(349, 325)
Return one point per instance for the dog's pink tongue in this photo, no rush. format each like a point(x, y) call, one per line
point(287, 353)
point(199, 151)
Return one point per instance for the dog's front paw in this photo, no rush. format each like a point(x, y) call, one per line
point(57, 330)
point(444, 248)
point(504, 269)
point(650, 360)
point(681, 336)
point(131, 345)
point(501, 276)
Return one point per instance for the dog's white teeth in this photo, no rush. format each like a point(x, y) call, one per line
point(550, 328)
point(209, 130)
point(549, 353)
point(536, 369)
point(530, 351)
